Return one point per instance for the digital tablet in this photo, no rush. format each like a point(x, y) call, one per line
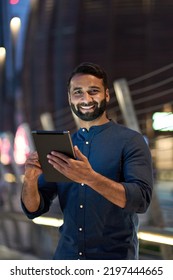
point(45, 143)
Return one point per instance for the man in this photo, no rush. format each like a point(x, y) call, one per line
point(111, 178)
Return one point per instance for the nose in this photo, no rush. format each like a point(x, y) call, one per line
point(87, 97)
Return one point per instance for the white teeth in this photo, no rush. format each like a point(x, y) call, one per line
point(87, 107)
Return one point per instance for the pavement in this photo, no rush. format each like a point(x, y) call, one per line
point(10, 254)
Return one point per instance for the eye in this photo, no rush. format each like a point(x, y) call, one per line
point(77, 92)
point(93, 91)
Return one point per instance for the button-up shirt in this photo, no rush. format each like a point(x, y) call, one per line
point(95, 228)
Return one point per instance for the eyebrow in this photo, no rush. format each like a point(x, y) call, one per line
point(90, 87)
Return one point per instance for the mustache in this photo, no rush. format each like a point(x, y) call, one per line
point(88, 104)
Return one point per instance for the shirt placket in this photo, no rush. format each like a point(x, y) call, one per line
point(82, 204)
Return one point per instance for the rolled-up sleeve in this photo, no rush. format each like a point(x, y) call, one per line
point(138, 175)
point(48, 191)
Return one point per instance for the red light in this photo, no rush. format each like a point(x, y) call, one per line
point(21, 145)
point(14, 2)
point(5, 148)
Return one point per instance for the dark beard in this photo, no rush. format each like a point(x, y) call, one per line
point(90, 116)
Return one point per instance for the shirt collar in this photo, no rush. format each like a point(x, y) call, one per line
point(94, 129)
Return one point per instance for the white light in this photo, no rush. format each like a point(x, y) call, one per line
point(15, 24)
point(47, 221)
point(156, 238)
point(163, 121)
point(2, 54)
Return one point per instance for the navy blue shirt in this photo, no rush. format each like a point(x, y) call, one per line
point(95, 228)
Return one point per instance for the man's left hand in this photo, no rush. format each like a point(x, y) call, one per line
point(78, 170)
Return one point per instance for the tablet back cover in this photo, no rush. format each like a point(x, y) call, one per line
point(45, 143)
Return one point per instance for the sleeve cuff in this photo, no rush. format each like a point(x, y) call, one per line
point(32, 215)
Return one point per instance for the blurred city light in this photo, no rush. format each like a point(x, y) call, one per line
point(163, 121)
point(15, 24)
point(5, 148)
point(2, 54)
point(47, 221)
point(14, 2)
point(156, 238)
point(9, 177)
point(21, 145)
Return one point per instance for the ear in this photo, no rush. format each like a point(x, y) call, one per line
point(69, 98)
point(107, 95)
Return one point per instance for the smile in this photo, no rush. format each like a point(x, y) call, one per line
point(87, 107)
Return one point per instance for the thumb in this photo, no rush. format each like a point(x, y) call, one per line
point(79, 154)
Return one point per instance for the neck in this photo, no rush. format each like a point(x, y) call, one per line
point(99, 121)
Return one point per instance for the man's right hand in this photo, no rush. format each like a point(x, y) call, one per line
point(32, 167)
point(30, 194)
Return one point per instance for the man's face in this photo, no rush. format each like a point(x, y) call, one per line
point(87, 97)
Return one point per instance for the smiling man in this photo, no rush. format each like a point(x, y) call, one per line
point(111, 178)
point(88, 97)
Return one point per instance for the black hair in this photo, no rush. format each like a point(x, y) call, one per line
point(91, 69)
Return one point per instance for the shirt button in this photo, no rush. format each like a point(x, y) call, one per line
point(83, 129)
point(81, 206)
point(80, 229)
point(80, 254)
point(87, 142)
point(82, 184)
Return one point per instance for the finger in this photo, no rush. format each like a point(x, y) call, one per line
point(59, 155)
point(33, 154)
point(30, 162)
point(57, 161)
point(59, 165)
point(32, 159)
point(33, 167)
point(55, 156)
